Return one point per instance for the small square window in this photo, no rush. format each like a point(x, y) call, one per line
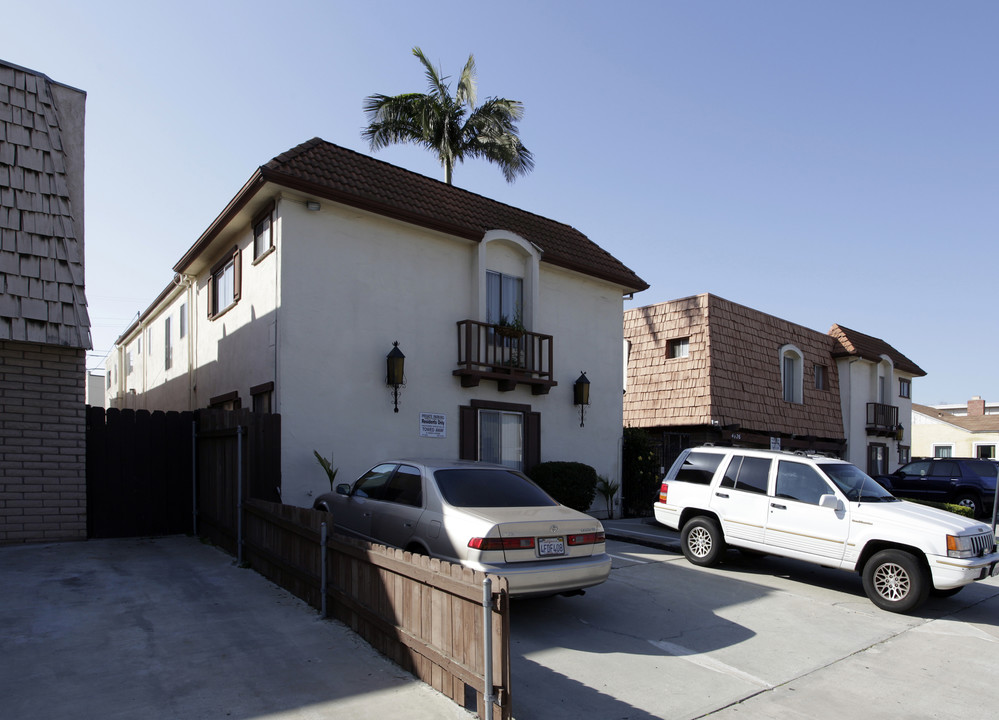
point(679, 348)
point(904, 388)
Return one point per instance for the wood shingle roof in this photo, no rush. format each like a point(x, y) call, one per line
point(732, 374)
point(41, 232)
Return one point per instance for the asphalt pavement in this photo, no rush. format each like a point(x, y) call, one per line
point(165, 628)
point(172, 628)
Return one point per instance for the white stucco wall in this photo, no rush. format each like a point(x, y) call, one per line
point(352, 283)
point(319, 313)
point(858, 383)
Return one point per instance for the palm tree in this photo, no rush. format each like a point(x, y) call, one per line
point(438, 121)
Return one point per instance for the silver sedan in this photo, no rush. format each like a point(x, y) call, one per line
point(486, 517)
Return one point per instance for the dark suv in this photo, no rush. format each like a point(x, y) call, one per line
point(962, 481)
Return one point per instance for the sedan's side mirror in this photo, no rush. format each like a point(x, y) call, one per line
point(831, 501)
point(343, 489)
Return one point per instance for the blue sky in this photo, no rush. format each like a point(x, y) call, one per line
point(823, 162)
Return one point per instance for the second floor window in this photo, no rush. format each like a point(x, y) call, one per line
point(167, 346)
point(679, 348)
point(904, 388)
point(820, 378)
point(262, 233)
point(504, 298)
point(790, 374)
point(225, 282)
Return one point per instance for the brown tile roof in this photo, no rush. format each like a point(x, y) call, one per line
point(732, 374)
point(41, 244)
point(980, 423)
point(850, 342)
point(329, 171)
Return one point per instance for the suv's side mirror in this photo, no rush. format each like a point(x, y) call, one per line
point(831, 501)
point(343, 489)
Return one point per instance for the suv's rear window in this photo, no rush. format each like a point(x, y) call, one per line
point(699, 468)
point(750, 474)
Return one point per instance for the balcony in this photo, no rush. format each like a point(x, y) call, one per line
point(882, 419)
point(491, 352)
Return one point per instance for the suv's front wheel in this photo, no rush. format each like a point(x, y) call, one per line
point(896, 581)
point(702, 541)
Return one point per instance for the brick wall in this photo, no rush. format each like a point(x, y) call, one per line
point(43, 485)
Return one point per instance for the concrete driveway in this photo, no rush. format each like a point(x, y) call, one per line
point(171, 628)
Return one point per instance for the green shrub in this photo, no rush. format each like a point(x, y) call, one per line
point(571, 483)
point(640, 473)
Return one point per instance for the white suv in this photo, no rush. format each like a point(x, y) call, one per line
point(825, 511)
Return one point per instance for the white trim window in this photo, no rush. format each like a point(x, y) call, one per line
point(504, 297)
point(791, 363)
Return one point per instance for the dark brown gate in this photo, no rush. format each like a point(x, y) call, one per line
point(141, 466)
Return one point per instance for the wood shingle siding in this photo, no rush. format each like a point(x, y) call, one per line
point(41, 229)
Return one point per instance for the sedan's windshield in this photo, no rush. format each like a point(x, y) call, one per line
point(856, 484)
point(483, 487)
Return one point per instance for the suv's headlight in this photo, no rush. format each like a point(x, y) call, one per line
point(961, 547)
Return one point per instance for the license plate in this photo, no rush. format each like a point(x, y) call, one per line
point(551, 546)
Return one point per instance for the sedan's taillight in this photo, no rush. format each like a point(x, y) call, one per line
point(513, 543)
point(586, 538)
point(662, 492)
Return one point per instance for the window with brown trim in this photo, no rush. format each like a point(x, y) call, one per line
point(263, 232)
point(481, 438)
point(224, 283)
point(263, 397)
point(229, 401)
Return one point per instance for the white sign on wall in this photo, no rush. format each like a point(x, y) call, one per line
point(775, 443)
point(433, 425)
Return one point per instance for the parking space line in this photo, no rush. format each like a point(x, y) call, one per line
point(709, 663)
point(628, 559)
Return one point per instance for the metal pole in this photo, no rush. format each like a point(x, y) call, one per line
point(322, 571)
point(194, 475)
point(995, 503)
point(489, 695)
point(239, 494)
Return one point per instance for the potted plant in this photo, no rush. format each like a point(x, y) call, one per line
point(511, 328)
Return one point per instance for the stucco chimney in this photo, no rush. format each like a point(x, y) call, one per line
point(976, 407)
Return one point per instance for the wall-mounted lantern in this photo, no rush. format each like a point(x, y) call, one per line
point(899, 433)
point(395, 363)
point(581, 395)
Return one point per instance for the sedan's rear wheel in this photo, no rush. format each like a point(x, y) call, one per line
point(702, 541)
point(895, 580)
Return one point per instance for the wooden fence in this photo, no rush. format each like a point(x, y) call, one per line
point(425, 615)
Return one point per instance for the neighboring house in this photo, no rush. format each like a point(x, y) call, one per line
point(875, 383)
point(44, 327)
point(969, 432)
point(95, 389)
point(294, 297)
point(706, 370)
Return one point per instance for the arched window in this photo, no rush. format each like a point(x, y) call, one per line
point(791, 366)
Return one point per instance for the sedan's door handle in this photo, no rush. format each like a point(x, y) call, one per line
point(367, 514)
point(721, 495)
point(779, 507)
point(408, 524)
